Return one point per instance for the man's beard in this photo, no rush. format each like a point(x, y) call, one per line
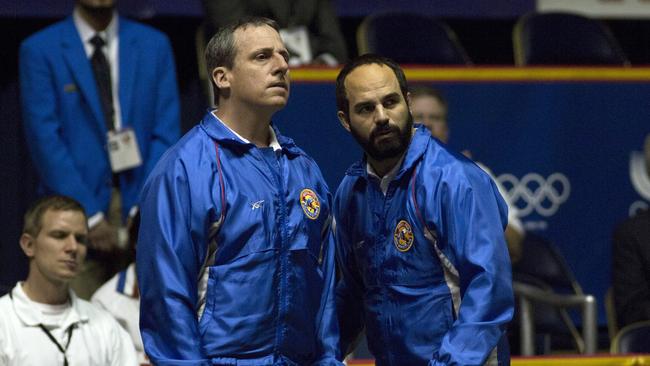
point(388, 148)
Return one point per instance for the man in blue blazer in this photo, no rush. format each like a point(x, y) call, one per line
point(69, 114)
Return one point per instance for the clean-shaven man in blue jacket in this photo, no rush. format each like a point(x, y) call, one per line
point(67, 122)
point(235, 255)
point(419, 232)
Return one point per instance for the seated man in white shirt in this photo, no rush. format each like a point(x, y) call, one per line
point(120, 296)
point(42, 322)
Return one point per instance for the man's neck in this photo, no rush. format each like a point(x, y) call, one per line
point(251, 124)
point(382, 167)
point(39, 289)
point(97, 18)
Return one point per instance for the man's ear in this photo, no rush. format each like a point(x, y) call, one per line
point(344, 121)
point(220, 77)
point(27, 244)
point(408, 100)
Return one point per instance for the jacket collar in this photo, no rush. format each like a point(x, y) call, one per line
point(218, 131)
point(30, 316)
point(416, 149)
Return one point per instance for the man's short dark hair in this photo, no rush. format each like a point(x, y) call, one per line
point(34, 215)
point(342, 102)
point(427, 91)
point(221, 50)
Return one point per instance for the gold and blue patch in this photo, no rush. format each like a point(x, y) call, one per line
point(310, 203)
point(403, 236)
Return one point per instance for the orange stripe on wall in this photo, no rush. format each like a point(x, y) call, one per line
point(571, 360)
point(495, 74)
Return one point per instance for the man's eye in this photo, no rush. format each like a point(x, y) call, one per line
point(390, 102)
point(58, 234)
point(366, 109)
point(262, 56)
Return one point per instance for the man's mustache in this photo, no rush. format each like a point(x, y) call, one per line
point(385, 129)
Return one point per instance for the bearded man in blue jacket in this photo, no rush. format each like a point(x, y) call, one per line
point(419, 231)
point(235, 254)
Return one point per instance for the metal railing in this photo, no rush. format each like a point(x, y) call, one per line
point(528, 295)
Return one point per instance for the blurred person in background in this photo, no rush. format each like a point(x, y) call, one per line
point(309, 28)
point(42, 321)
point(120, 296)
point(100, 106)
point(631, 262)
point(429, 107)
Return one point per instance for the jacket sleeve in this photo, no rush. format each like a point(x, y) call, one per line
point(166, 129)
point(169, 259)
point(328, 331)
point(475, 216)
point(349, 290)
point(43, 129)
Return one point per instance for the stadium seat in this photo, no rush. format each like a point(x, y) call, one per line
point(612, 322)
point(633, 338)
point(546, 289)
point(410, 39)
point(564, 39)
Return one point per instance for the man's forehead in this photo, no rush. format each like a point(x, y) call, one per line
point(54, 217)
point(255, 36)
point(371, 79)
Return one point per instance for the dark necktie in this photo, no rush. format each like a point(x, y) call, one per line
point(102, 71)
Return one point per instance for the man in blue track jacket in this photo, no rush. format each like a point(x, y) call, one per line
point(235, 255)
point(419, 233)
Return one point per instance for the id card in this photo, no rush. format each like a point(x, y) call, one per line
point(123, 151)
point(296, 40)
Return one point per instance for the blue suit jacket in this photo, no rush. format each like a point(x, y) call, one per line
point(64, 124)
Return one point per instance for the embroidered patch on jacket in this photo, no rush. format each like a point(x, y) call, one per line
point(403, 236)
point(310, 203)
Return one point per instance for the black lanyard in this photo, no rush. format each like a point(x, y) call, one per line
point(51, 337)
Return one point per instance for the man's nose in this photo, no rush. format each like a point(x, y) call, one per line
point(281, 64)
point(381, 117)
point(72, 244)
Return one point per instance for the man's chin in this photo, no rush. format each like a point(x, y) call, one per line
point(277, 102)
point(100, 9)
point(386, 151)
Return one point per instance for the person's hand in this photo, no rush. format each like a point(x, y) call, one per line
point(103, 237)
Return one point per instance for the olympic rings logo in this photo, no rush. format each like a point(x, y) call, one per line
point(535, 193)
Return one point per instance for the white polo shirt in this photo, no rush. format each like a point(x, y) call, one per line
point(96, 338)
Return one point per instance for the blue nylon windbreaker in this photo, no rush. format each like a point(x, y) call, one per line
point(235, 256)
point(436, 296)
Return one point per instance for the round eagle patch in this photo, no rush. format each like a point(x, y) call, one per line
point(403, 236)
point(310, 203)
